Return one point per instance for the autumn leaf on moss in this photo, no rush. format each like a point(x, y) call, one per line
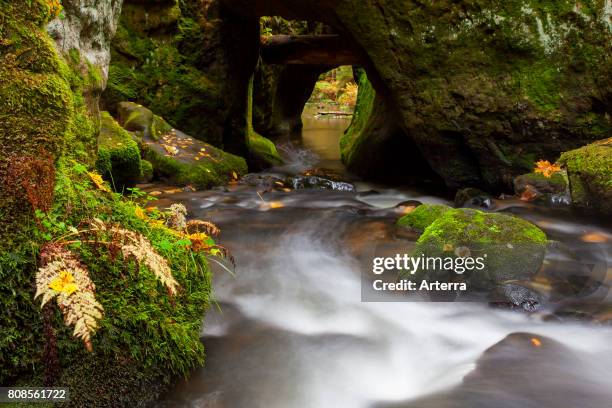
point(55, 8)
point(200, 241)
point(98, 182)
point(64, 283)
point(546, 168)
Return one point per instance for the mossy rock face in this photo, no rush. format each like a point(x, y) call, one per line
point(423, 216)
point(262, 152)
point(140, 120)
point(147, 171)
point(118, 155)
point(177, 156)
point(512, 248)
point(168, 55)
point(42, 108)
point(483, 89)
point(590, 176)
point(197, 163)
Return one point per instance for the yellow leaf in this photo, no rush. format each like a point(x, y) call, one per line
point(536, 342)
point(98, 182)
point(235, 175)
point(64, 283)
point(140, 214)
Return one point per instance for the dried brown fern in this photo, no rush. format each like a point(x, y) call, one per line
point(135, 246)
point(197, 226)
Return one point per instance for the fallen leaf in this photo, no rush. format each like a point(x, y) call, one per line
point(546, 168)
point(529, 194)
point(536, 342)
point(594, 237)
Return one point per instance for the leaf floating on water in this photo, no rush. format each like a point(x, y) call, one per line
point(536, 342)
point(271, 205)
point(595, 237)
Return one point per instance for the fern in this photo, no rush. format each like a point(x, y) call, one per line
point(66, 280)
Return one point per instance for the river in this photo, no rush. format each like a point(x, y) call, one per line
point(290, 329)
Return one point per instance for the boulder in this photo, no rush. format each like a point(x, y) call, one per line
point(548, 190)
point(177, 156)
point(137, 118)
point(423, 216)
point(511, 248)
point(118, 155)
point(589, 170)
point(473, 198)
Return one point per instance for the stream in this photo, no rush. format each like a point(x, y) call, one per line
point(291, 330)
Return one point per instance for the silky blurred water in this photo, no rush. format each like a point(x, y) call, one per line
point(291, 330)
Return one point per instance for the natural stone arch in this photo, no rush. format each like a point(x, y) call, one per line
point(483, 88)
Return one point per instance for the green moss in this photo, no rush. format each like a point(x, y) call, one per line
point(541, 84)
point(512, 248)
point(422, 216)
point(118, 155)
point(557, 183)
point(150, 66)
point(145, 340)
point(590, 176)
point(355, 135)
point(147, 170)
point(41, 101)
point(201, 175)
point(262, 150)
point(159, 127)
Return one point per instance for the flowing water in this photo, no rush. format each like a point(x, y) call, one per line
point(291, 329)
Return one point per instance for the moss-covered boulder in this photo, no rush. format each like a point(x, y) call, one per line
point(511, 247)
point(556, 184)
point(177, 156)
point(118, 155)
point(423, 216)
point(590, 176)
point(147, 171)
point(136, 118)
point(262, 152)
